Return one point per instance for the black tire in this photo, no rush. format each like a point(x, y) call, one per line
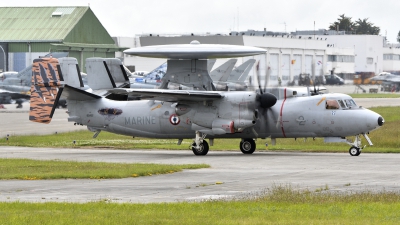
point(203, 150)
point(354, 151)
point(248, 146)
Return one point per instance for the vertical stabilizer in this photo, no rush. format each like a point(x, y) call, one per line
point(222, 72)
point(71, 73)
point(246, 71)
point(45, 89)
point(242, 70)
point(106, 73)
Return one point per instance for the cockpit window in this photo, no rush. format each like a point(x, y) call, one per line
point(342, 104)
point(350, 103)
point(331, 104)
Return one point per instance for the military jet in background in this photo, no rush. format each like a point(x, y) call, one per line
point(224, 77)
point(237, 78)
point(181, 114)
point(385, 76)
point(390, 82)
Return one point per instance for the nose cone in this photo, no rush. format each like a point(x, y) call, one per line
point(381, 121)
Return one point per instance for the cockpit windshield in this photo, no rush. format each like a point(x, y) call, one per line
point(350, 103)
point(337, 104)
point(331, 104)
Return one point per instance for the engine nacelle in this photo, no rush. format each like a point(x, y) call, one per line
point(182, 109)
point(222, 126)
point(240, 125)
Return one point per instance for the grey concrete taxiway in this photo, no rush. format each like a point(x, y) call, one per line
point(239, 175)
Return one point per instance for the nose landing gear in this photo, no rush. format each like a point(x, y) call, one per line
point(354, 151)
point(356, 147)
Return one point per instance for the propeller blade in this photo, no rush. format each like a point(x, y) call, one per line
point(267, 75)
point(255, 132)
point(258, 76)
point(279, 122)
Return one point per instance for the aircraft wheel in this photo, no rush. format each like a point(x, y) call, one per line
point(203, 150)
point(248, 146)
point(354, 151)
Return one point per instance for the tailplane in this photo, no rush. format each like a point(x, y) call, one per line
point(45, 89)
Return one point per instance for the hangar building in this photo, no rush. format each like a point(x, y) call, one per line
point(27, 33)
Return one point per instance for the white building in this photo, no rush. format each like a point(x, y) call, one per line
point(287, 55)
point(368, 50)
point(391, 59)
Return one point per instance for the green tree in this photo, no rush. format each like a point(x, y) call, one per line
point(365, 27)
point(398, 37)
point(344, 23)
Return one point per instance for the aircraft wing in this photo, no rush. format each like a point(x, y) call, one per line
point(169, 95)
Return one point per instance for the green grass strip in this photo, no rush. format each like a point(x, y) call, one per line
point(277, 206)
point(27, 169)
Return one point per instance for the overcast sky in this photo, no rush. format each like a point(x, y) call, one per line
point(130, 17)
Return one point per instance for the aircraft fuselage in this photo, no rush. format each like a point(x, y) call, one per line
point(289, 118)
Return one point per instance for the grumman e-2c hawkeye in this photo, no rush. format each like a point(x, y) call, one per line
point(178, 114)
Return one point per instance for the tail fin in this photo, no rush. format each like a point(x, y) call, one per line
point(246, 71)
point(210, 64)
point(45, 89)
point(222, 72)
point(70, 72)
point(106, 73)
point(240, 70)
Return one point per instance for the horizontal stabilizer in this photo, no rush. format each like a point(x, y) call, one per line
point(72, 93)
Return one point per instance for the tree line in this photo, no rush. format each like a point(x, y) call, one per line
point(360, 26)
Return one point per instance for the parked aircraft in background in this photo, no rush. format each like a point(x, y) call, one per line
point(181, 114)
point(390, 82)
point(224, 77)
point(139, 73)
point(384, 76)
point(153, 79)
point(16, 82)
point(238, 76)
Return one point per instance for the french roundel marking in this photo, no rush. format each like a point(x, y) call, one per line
point(174, 119)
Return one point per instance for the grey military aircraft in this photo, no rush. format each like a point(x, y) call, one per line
point(230, 78)
point(385, 76)
point(184, 114)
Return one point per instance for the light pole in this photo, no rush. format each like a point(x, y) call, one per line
point(4, 53)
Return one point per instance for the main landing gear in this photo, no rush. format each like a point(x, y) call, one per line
point(200, 146)
point(356, 147)
point(247, 146)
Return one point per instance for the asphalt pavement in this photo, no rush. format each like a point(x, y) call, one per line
point(232, 175)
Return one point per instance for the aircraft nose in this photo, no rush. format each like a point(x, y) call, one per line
point(381, 121)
